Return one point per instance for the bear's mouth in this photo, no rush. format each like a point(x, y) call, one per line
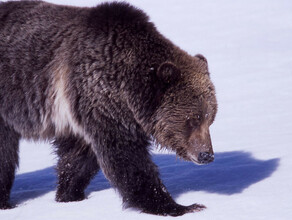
point(202, 158)
point(190, 158)
point(198, 161)
point(194, 159)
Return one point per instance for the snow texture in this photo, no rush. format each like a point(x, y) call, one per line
point(248, 45)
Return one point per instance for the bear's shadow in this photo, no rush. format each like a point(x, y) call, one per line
point(230, 173)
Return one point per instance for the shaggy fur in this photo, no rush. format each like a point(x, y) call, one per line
point(102, 83)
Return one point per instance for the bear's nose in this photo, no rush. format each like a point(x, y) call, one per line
point(205, 157)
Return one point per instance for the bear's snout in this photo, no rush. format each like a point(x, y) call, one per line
point(201, 158)
point(200, 150)
point(205, 158)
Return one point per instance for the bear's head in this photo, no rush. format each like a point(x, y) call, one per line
point(187, 107)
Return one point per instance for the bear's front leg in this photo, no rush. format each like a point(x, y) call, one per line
point(128, 166)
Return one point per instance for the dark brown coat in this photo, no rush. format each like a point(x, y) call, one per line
point(102, 83)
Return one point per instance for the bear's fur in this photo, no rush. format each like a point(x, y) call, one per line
point(102, 83)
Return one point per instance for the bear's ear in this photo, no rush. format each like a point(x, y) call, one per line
point(202, 63)
point(168, 73)
point(201, 58)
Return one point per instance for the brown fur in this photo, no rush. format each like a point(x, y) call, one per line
point(102, 83)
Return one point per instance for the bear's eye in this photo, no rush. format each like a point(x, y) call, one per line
point(151, 70)
point(194, 122)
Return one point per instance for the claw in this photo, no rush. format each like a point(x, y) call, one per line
point(176, 210)
point(196, 208)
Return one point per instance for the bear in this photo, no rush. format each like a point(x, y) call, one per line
point(103, 85)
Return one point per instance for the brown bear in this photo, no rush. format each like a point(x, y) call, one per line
point(102, 83)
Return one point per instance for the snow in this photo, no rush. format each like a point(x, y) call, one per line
point(248, 45)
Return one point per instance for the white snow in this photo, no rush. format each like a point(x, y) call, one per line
point(248, 45)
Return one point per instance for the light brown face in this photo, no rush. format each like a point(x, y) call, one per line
point(199, 144)
point(183, 126)
point(184, 117)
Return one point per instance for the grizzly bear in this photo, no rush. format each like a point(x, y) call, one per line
point(102, 84)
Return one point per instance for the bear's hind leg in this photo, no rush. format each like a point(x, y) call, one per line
point(77, 165)
point(9, 141)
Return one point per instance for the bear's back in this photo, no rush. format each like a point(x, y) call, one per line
point(45, 47)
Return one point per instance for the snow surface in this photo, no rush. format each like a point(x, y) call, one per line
point(248, 45)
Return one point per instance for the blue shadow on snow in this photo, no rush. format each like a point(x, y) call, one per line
point(230, 173)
